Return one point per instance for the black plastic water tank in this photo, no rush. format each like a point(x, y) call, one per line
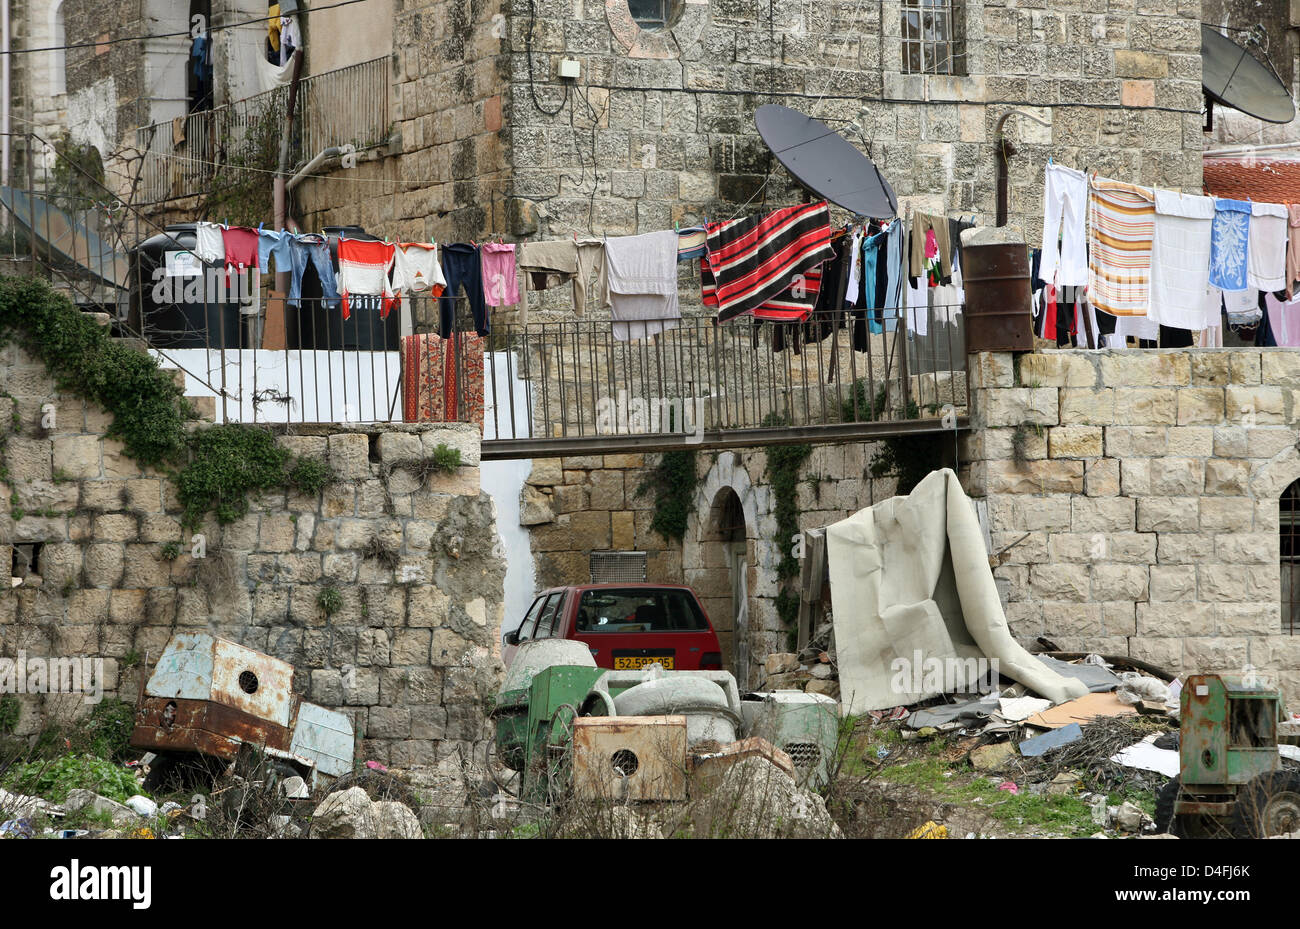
point(316, 325)
point(183, 312)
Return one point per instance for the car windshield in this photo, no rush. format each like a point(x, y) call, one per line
point(635, 610)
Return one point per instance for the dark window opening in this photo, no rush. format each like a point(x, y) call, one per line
point(654, 15)
point(639, 611)
point(934, 36)
point(1289, 556)
point(1251, 723)
point(25, 559)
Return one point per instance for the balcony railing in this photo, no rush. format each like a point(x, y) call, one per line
point(348, 106)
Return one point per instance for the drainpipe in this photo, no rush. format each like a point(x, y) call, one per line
point(274, 335)
point(5, 95)
point(1249, 149)
point(334, 151)
point(1004, 150)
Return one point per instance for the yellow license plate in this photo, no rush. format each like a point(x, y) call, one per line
point(637, 662)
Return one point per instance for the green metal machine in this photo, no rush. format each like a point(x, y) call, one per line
point(533, 722)
point(1232, 781)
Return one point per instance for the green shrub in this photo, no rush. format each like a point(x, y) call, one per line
point(54, 779)
point(329, 600)
point(309, 476)
point(228, 463)
point(445, 458)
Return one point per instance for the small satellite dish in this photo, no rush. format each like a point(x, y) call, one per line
point(1230, 75)
point(825, 162)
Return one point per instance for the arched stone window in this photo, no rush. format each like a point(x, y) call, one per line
point(58, 56)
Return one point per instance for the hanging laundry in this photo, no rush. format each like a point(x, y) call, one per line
point(416, 269)
point(240, 247)
point(210, 244)
point(1293, 247)
point(1065, 200)
point(462, 268)
point(1122, 221)
point(442, 379)
point(1180, 259)
point(640, 284)
point(277, 245)
point(768, 265)
point(314, 248)
point(500, 278)
point(1241, 307)
point(1229, 244)
point(873, 283)
point(290, 40)
point(549, 264)
point(856, 281)
point(918, 306)
point(931, 249)
point(691, 243)
point(363, 269)
point(1266, 263)
point(1284, 320)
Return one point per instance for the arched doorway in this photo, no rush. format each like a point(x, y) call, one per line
point(720, 554)
point(725, 549)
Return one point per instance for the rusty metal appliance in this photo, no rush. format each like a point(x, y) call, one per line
point(999, 298)
point(629, 758)
point(210, 696)
point(1231, 775)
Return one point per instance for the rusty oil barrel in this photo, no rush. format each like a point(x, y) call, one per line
point(999, 294)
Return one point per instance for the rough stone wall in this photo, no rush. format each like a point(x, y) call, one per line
point(445, 177)
point(574, 506)
point(663, 131)
point(411, 655)
point(1136, 497)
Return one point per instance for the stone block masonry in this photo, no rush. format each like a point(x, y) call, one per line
point(1135, 498)
point(412, 651)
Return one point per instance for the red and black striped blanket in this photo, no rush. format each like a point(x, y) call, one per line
point(768, 266)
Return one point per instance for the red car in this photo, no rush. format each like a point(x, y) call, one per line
point(626, 626)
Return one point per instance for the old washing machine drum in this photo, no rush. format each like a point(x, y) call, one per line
point(710, 722)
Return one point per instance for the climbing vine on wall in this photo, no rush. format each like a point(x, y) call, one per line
point(673, 482)
point(783, 465)
point(215, 468)
point(241, 191)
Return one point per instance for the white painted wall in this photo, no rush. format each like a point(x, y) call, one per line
point(504, 480)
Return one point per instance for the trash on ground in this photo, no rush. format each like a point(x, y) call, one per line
point(1083, 710)
point(1041, 745)
point(929, 830)
point(1146, 756)
point(1021, 708)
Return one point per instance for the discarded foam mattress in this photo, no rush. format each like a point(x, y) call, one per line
point(911, 584)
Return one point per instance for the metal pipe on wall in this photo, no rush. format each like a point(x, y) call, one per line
point(5, 95)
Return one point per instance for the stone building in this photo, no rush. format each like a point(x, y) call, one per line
point(472, 131)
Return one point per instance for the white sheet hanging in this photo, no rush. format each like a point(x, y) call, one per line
point(1180, 260)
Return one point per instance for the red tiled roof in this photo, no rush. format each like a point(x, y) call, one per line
point(1253, 178)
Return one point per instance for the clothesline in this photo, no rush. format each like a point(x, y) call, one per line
point(1158, 260)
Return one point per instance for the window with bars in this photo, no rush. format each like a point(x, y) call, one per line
point(934, 36)
point(1288, 527)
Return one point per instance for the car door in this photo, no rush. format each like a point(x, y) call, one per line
point(511, 641)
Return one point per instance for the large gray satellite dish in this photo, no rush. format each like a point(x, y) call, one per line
point(825, 162)
point(1230, 75)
